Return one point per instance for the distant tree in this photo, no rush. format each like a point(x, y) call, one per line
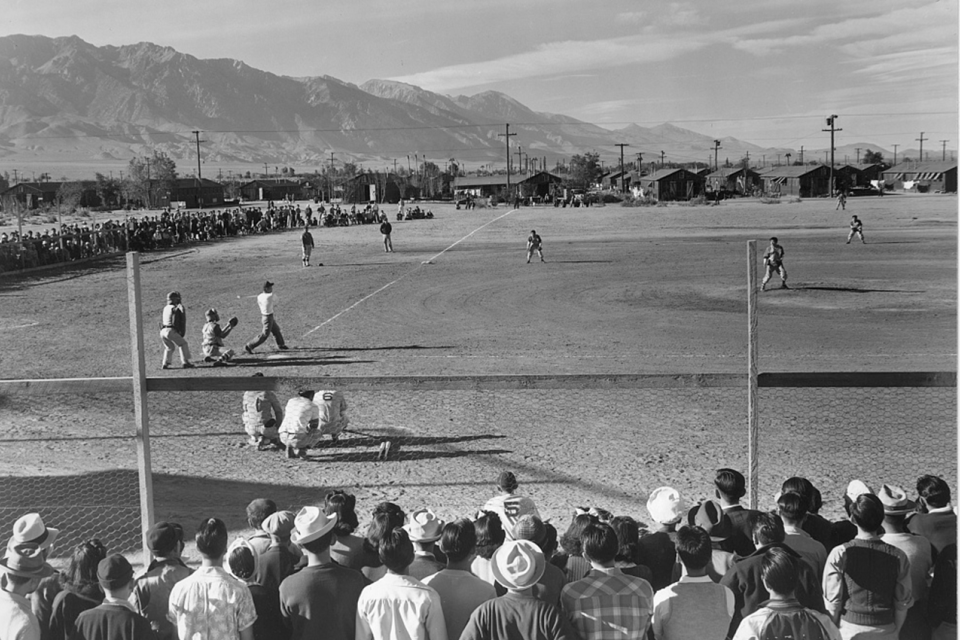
point(349, 169)
point(247, 175)
point(584, 170)
point(107, 189)
point(4, 181)
point(291, 172)
point(44, 177)
point(69, 194)
point(872, 157)
point(147, 177)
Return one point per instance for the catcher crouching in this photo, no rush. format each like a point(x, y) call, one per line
point(213, 335)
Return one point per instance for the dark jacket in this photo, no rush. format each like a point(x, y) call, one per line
point(742, 521)
point(744, 579)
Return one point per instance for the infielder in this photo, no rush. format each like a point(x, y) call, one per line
point(300, 427)
point(332, 407)
point(173, 326)
point(261, 415)
point(267, 302)
point(534, 243)
point(213, 335)
point(386, 229)
point(773, 261)
point(307, 241)
point(856, 228)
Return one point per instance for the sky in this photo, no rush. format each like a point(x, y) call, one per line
point(764, 71)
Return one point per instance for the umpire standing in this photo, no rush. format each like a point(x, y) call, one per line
point(266, 302)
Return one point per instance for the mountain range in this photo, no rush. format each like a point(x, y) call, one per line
point(66, 102)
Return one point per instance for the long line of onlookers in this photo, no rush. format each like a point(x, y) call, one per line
point(77, 241)
point(709, 570)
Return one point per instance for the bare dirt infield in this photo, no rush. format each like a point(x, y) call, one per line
point(653, 290)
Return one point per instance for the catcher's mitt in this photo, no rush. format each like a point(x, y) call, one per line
point(233, 321)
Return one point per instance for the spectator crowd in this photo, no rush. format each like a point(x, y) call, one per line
point(167, 229)
point(709, 570)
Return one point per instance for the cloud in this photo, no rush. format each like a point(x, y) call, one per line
point(676, 14)
point(555, 58)
point(894, 23)
point(630, 17)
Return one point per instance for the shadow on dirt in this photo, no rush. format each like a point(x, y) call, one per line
point(853, 289)
point(411, 347)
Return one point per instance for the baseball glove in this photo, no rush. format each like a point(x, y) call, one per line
point(233, 321)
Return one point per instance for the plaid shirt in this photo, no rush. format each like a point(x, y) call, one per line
point(609, 605)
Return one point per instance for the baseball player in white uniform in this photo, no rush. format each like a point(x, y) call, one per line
point(773, 261)
point(332, 406)
point(856, 228)
point(534, 243)
point(300, 427)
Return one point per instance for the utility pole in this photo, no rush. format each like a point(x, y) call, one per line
point(716, 155)
point(16, 180)
point(831, 121)
point(199, 176)
point(266, 172)
point(330, 178)
point(895, 154)
point(921, 139)
point(801, 154)
point(148, 183)
point(662, 155)
point(506, 137)
point(788, 159)
point(623, 182)
point(944, 157)
point(519, 153)
point(858, 155)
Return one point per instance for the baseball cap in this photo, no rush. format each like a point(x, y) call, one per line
point(162, 538)
point(114, 572)
point(267, 284)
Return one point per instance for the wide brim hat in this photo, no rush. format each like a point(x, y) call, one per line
point(857, 488)
point(665, 505)
point(709, 516)
point(163, 537)
point(241, 542)
point(23, 560)
point(518, 564)
point(31, 529)
point(311, 523)
point(895, 501)
point(424, 526)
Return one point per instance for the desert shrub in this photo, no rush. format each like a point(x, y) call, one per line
point(631, 201)
point(610, 198)
point(699, 201)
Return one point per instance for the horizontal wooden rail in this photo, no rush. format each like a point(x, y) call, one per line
point(53, 386)
point(860, 379)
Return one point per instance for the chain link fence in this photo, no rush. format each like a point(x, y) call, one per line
point(73, 458)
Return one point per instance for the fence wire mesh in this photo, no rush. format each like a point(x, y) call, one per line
point(73, 458)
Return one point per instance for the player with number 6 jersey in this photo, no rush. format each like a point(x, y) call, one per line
point(332, 406)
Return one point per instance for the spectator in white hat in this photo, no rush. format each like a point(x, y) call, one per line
point(666, 508)
point(320, 600)
point(20, 573)
point(896, 508)
point(396, 605)
point(460, 591)
point(843, 531)
point(424, 529)
point(30, 529)
point(518, 565)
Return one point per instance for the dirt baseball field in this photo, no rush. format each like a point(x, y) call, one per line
point(648, 290)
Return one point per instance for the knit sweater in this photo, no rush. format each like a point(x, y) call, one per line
point(867, 580)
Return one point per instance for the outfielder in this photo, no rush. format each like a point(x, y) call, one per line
point(173, 326)
point(332, 407)
point(856, 228)
point(534, 243)
point(386, 229)
point(213, 335)
point(773, 261)
point(307, 241)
